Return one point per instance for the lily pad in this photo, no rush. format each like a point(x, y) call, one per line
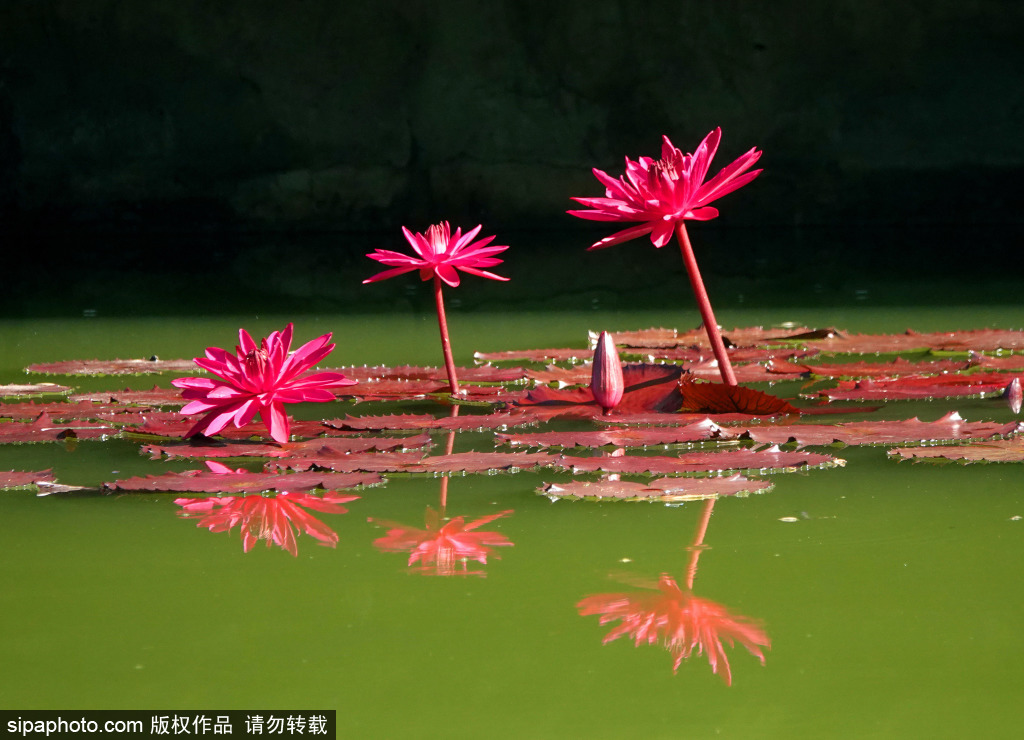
point(718, 398)
point(113, 367)
point(998, 450)
point(918, 386)
point(620, 437)
point(770, 459)
point(205, 481)
point(665, 490)
point(29, 390)
point(950, 427)
point(45, 429)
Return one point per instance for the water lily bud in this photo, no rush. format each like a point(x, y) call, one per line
point(606, 381)
point(1014, 395)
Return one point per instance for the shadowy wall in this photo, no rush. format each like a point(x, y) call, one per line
point(325, 114)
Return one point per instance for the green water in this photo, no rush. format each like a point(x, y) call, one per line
point(893, 602)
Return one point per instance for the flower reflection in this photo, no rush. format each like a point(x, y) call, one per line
point(275, 519)
point(441, 547)
point(677, 619)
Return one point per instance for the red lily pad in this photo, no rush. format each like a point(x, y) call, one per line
point(65, 410)
point(998, 450)
point(113, 367)
point(399, 422)
point(738, 337)
point(771, 459)
point(1006, 362)
point(10, 479)
point(620, 437)
point(663, 490)
point(950, 427)
point(45, 429)
point(895, 368)
point(28, 390)
point(719, 398)
point(981, 340)
point(204, 481)
point(918, 386)
point(752, 373)
point(476, 373)
point(154, 397)
point(306, 448)
point(561, 354)
point(414, 462)
point(42, 480)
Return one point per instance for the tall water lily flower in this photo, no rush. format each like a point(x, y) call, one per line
point(661, 195)
point(258, 380)
point(441, 255)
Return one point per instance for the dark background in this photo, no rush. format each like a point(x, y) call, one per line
point(237, 151)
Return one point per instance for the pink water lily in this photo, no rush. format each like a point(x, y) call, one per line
point(441, 256)
point(258, 380)
point(661, 195)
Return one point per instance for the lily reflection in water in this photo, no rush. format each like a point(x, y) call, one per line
point(674, 617)
point(274, 519)
point(442, 546)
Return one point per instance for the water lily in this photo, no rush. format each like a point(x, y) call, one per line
point(258, 380)
point(274, 519)
point(441, 256)
point(662, 195)
point(440, 546)
point(606, 379)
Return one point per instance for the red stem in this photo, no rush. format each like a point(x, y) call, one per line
point(446, 343)
point(704, 304)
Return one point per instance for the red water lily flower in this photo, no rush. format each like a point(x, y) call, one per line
point(680, 621)
point(441, 255)
point(273, 519)
point(662, 194)
point(258, 380)
point(440, 546)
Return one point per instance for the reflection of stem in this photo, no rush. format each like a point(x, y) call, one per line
point(704, 304)
point(698, 545)
point(449, 446)
point(446, 343)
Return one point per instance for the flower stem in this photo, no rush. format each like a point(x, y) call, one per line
point(446, 343)
point(704, 304)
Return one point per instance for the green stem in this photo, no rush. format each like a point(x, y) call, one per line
point(704, 304)
point(446, 343)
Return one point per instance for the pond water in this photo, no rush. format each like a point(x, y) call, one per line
point(891, 592)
